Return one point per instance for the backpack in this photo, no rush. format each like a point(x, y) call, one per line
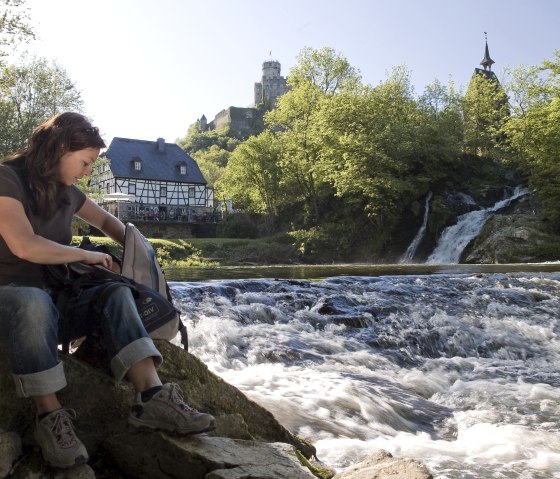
point(139, 264)
point(140, 271)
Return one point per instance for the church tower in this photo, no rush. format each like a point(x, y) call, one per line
point(487, 63)
point(485, 108)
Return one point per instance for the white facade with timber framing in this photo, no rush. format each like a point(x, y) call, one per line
point(152, 180)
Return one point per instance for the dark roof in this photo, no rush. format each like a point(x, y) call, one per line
point(487, 61)
point(160, 161)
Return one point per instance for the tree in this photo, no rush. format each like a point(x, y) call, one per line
point(318, 76)
point(368, 139)
point(253, 175)
point(212, 162)
point(13, 25)
point(30, 94)
point(196, 139)
point(440, 133)
point(325, 69)
point(295, 121)
point(533, 131)
point(485, 111)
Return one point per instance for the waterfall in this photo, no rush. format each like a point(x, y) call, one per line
point(455, 239)
point(411, 250)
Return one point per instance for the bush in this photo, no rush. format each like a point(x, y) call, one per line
point(325, 243)
point(237, 226)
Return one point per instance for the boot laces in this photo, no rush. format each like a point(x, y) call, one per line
point(63, 429)
point(176, 397)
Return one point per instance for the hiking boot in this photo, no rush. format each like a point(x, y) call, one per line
point(58, 441)
point(167, 411)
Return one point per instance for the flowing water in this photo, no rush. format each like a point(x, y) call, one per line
point(411, 250)
point(457, 366)
point(455, 238)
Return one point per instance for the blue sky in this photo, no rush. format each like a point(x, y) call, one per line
point(149, 69)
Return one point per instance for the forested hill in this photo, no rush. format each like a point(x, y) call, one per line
point(344, 167)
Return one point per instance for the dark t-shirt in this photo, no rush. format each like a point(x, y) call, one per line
point(56, 228)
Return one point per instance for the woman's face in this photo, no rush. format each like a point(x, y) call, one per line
point(76, 164)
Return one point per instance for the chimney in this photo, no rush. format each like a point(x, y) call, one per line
point(161, 145)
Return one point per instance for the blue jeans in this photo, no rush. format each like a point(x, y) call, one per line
point(29, 328)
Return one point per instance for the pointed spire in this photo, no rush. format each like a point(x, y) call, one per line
point(487, 61)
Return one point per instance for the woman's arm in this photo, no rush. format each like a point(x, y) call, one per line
point(22, 241)
point(97, 217)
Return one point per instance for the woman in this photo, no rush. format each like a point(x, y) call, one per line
point(38, 199)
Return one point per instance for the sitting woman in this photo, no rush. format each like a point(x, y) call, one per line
point(38, 200)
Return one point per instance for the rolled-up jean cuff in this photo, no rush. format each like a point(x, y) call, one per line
point(132, 353)
point(41, 383)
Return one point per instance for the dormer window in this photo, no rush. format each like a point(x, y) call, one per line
point(137, 165)
point(182, 168)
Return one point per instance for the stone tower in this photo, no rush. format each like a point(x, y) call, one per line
point(203, 123)
point(272, 83)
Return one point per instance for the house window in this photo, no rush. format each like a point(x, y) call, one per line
point(191, 192)
point(137, 165)
point(131, 188)
point(162, 191)
point(183, 169)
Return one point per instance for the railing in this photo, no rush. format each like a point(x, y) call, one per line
point(163, 216)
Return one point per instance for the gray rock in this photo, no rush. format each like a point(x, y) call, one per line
point(10, 451)
point(202, 457)
point(248, 441)
point(79, 472)
point(382, 465)
point(102, 407)
point(518, 235)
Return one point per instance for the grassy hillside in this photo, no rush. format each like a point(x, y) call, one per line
point(214, 251)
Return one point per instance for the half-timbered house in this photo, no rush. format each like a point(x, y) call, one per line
point(152, 181)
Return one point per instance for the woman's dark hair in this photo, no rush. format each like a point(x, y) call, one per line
point(58, 135)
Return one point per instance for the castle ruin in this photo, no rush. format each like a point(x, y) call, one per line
point(271, 86)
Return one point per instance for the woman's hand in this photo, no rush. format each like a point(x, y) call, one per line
point(95, 257)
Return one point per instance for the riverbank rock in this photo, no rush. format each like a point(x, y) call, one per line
point(248, 441)
point(515, 235)
point(382, 465)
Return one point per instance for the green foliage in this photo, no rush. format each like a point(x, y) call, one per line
point(533, 132)
point(318, 470)
point(196, 140)
point(238, 226)
point(276, 249)
point(340, 163)
point(253, 176)
point(14, 27)
point(295, 120)
point(327, 243)
point(325, 69)
point(212, 162)
point(31, 93)
point(177, 252)
point(440, 134)
point(485, 109)
point(372, 152)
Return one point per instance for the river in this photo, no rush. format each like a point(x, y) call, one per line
point(455, 365)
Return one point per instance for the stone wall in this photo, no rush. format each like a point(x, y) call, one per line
point(167, 230)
